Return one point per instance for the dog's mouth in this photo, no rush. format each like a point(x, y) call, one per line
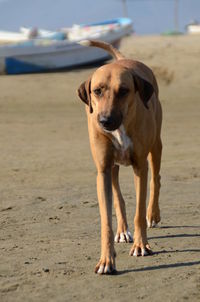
point(109, 122)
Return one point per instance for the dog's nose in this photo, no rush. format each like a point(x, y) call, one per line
point(105, 121)
point(110, 122)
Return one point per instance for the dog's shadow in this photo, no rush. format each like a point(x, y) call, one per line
point(174, 236)
point(172, 265)
point(157, 267)
point(180, 226)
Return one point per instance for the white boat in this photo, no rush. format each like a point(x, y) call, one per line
point(193, 28)
point(26, 34)
point(10, 37)
point(37, 55)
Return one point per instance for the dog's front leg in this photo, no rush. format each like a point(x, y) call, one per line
point(106, 264)
point(140, 245)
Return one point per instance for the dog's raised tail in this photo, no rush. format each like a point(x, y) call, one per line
point(106, 46)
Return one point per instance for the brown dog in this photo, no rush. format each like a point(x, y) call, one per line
point(124, 123)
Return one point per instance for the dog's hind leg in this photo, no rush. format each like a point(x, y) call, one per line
point(153, 211)
point(140, 245)
point(123, 234)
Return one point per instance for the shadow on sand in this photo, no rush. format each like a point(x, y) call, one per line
point(180, 227)
point(157, 267)
point(172, 265)
point(174, 236)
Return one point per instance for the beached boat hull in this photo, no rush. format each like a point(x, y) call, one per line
point(45, 55)
point(193, 29)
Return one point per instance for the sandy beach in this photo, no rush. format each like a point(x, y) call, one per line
point(49, 216)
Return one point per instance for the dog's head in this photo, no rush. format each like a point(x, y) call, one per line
point(110, 91)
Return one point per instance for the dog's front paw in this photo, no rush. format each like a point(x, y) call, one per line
point(106, 265)
point(124, 236)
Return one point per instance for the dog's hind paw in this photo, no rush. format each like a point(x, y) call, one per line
point(151, 224)
point(153, 218)
point(140, 250)
point(124, 237)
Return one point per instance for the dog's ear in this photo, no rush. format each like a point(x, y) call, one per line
point(144, 88)
point(84, 92)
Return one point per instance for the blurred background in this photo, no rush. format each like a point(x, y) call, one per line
point(49, 218)
point(149, 16)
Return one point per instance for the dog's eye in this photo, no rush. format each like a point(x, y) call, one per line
point(98, 92)
point(122, 91)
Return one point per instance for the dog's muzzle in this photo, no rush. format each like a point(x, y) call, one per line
point(110, 122)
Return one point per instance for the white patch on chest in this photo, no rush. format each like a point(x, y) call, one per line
point(123, 145)
point(120, 139)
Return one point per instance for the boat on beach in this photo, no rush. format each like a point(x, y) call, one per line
point(45, 51)
point(193, 28)
point(12, 37)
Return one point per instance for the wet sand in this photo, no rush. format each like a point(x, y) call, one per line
point(49, 217)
